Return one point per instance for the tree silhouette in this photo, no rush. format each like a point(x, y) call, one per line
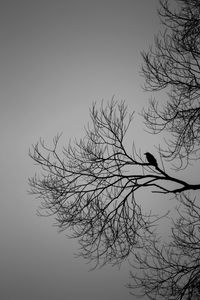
point(92, 187)
point(171, 269)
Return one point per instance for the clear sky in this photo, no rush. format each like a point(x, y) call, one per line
point(57, 57)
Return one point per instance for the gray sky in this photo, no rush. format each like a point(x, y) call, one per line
point(57, 57)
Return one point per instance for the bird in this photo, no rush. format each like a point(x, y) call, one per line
point(151, 159)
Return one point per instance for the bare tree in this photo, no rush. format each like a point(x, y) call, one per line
point(171, 269)
point(93, 185)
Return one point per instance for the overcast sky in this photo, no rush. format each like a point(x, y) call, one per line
point(57, 57)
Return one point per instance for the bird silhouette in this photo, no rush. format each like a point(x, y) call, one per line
point(151, 159)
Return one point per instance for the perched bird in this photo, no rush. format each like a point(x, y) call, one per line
point(151, 159)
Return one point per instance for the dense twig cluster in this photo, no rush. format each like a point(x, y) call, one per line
point(174, 63)
point(90, 190)
point(171, 270)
